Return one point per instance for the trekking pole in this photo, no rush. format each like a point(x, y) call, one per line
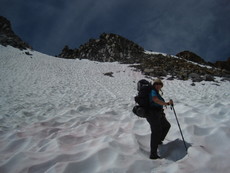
point(172, 107)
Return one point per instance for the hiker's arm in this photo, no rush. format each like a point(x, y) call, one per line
point(160, 102)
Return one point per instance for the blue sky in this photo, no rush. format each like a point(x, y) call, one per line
point(168, 26)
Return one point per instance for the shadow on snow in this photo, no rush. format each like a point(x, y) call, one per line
point(174, 150)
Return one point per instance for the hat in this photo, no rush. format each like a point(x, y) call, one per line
point(157, 81)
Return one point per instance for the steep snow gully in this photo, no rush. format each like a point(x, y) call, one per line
point(59, 115)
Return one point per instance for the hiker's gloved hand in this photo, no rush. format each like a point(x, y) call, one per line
point(170, 102)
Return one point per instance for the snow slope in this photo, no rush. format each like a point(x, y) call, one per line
point(60, 115)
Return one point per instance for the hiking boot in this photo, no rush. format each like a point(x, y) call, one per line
point(160, 143)
point(154, 156)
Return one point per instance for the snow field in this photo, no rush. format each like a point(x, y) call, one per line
point(60, 115)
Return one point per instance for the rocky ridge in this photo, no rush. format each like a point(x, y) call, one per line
point(8, 37)
point(108, 48)
point(223, 64)
point(190, 56)
point(166, 65)
point(112, 47)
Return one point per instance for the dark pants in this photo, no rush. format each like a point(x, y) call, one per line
point(159, 128)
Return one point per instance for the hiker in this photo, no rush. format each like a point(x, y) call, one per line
point(157, 120)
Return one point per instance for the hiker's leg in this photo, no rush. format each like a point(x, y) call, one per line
point(156, 130)
point(165, 127)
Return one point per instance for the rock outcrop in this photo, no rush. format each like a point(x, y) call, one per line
point(223, 64)
point(112, 47)
point(8, 37)
point(195, 58)
point(161, 66)
point(108, 48)
point(192, 57)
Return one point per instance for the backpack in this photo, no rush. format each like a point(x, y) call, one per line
point(144, 88)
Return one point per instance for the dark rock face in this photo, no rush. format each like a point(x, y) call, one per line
point(223, 64)
point(161, 66)
point(8, 37)
point(108, 48)
point(195, 58)
point(191, 57)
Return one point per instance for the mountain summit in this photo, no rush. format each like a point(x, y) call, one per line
point(108, 48)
